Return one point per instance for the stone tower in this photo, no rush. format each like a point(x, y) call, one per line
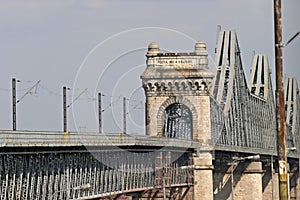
point(177, 89)
point(177, 93)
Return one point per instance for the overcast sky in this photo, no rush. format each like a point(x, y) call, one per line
point(101, 45)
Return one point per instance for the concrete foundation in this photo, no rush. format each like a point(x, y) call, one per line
point(297, 190)
point(250, 185)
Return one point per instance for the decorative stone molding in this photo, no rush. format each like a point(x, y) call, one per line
point(167, 87)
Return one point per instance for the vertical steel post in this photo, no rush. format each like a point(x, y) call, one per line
point(65, 109)
point(272, 176)
point(164, 187)
point(280, 108)
point(124, 115)
point(298, 179)
point(14, 104)
point(100, 112)
point(232, 182)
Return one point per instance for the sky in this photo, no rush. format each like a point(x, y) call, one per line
point(94, 46)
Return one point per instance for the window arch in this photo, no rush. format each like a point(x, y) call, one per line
point(177, 121)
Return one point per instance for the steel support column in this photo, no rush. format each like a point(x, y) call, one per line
point(14, 104)
point(65, 110)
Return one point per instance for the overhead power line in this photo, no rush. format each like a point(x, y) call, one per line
point(35, 86)
point(77, 97)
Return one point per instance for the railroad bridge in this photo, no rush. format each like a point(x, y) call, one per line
point(203, 130)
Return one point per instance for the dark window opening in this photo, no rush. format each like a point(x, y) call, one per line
point(178, 121)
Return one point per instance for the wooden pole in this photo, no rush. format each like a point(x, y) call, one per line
point(280, 104)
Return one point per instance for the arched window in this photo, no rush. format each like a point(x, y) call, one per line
point(178, 121)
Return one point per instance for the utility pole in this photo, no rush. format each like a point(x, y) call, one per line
point(65, 109)
point(100, 112)
point(280, 108)
point(14, 104)
point(124, 115)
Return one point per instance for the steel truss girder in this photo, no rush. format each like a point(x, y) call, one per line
point(57, 175)
point(248, 111)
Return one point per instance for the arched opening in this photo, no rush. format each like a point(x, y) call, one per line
point(178, 121)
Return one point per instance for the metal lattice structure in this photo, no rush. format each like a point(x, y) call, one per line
point(52, 173)
point(248, 111)
point(292, 111)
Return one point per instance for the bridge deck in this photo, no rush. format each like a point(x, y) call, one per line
point(59, 139)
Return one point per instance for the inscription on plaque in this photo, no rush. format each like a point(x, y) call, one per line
point(175, 61)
